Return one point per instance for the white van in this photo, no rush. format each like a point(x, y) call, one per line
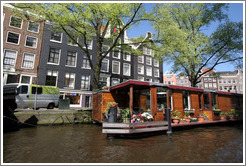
point(33, 96)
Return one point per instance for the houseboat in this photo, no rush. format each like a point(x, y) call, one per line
point(155, 98)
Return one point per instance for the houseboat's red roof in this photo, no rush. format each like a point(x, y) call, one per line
point(185, 88)
point(227, 93)
point(130, 82)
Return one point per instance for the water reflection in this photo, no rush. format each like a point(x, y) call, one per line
point(87, 144)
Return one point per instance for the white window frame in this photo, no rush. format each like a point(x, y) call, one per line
point(16, 53)
point(129, 67)
point(142, 57)
point(107, 50)
point(70, 77)
point(52, 71)
point(14, 26)
point(26, 76)
point(148, 71)
point(56, 40)
point(88, 61)
point(58, 58)
point(107, 65)
point(150, 58)
point(14, 33)
point(113, 67)
point(89, 83)
point(128, 56)
point(90, 46)
point(119, 54)
point(158, 72)
point(142, 69)
point(75, 59)
point(22, 62)
point(118, 80)
point(140, 78)
point(156, 63)
point(30, 46)
point(31, 30)
point(145, 51)
point(71, 44)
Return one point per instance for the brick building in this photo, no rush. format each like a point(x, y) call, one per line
point(22, 41)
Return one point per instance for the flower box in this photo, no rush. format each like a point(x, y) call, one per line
point(190, 111)
point(193, 120)
point(217, 111)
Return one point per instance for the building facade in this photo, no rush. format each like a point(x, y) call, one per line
point(65, 65)
point(22, 41)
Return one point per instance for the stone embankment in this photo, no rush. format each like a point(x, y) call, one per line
point(30, 117)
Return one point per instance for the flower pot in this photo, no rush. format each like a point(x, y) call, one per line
point(222, 118)
point(182, 121)
point(175, 121)
point(200, 119)
point(231, 117)
point(188, 120)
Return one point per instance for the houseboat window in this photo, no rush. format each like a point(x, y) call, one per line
point(161, 98)
point(186, 100)
point(214, 104)
point(73, 97)
point(200, 101)
point(206, 101)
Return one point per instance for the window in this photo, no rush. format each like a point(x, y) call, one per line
point(149, 71)
point(221, 88)
point(210, 79)
point(149, 79)
point(156, 80)
point(156, 63)
point(186, 100)
point(206, 79)
point(116, 54)
point(147, 51)
point(11, 78)
point(115, 81)
point(140, 59)
point(229, 81)
point(85, 82)
point(206, 101)
point(71, 58)
point(28, 61)
point(105, 65)
point(116, 67)
point(25, 79)
point(37, 90)
point(126, 69)
point(89, 44)
point(214, 79)
point(234, 81)
point(71, 42)
point(69, 80)
point(87, 101)
point(210, 85)
point(23, 89)
point(156, 72)
point(161, 98)
point(85, 62)
point(200, 101)
point(148, 60)
point(206, 85)
point(104, 50)
point(140, 78)
point(56, 36)
point(15, 22)
point(140, 69)
point(54, 55)
point(220, 81)
point(9, 57)
point(127, 56)
point(214, 85)
point(33, 26)
point(104, 80)
point(214, 105)
point(31, 42)
point(51, 77)
point(13, 38)
point(224, 81)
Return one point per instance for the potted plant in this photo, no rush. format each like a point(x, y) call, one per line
point(175, 116)
point(182, 120)
point(231, 113)
point(105, 115)
point(222, 116)
point(200, 117)
point(125, 115)
point(216, 111)
point(205, 117)
point(187, 117)
point(147, 116)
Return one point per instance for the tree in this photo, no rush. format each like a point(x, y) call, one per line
point(180, 31)
point(89, 21)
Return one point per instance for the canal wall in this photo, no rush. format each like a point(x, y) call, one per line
point(53, 117)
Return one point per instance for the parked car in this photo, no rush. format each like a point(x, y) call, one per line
point(32, 96)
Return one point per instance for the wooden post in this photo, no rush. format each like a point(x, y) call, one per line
point(131, 99)
point(153, 100)
point(168, 114)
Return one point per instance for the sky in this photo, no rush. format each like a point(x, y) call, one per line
point(235, 13)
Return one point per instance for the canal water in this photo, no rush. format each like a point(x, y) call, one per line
point(86, 144)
